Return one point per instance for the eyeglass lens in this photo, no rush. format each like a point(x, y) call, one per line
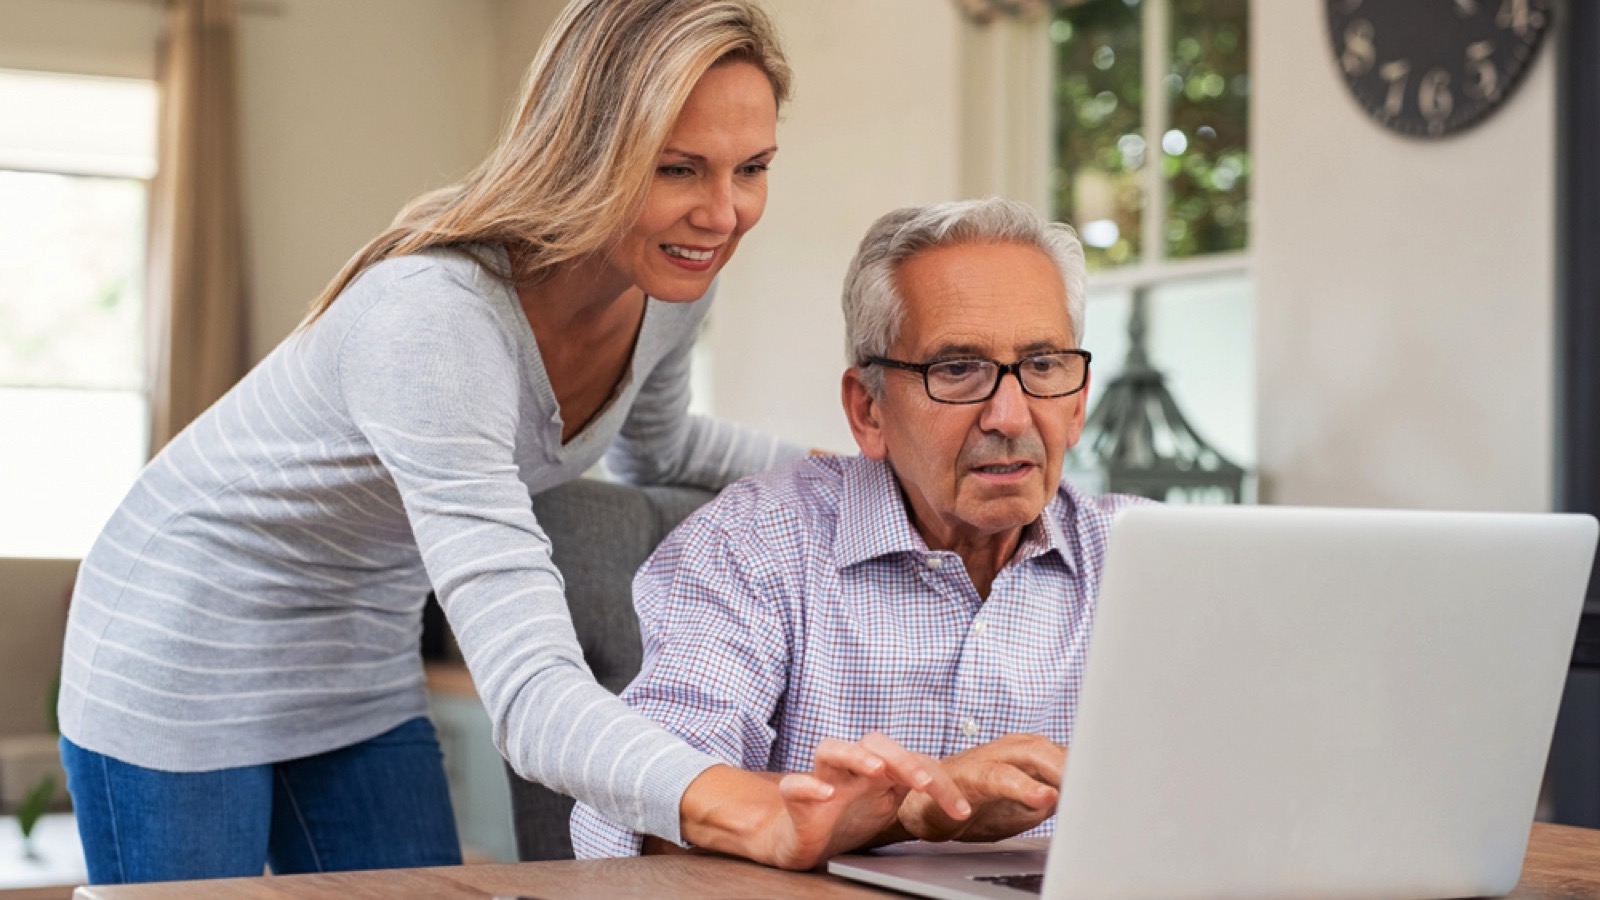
point(966, 380)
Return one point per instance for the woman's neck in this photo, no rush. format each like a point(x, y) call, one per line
point(576, 294)
point(586, 320)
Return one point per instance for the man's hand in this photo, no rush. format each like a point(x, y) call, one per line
point(1012, 782)
point(855, 791)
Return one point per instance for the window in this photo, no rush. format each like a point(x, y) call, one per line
point(75, 156)
point(1152, 166)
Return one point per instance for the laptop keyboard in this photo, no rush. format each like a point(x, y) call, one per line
point(1032, 884)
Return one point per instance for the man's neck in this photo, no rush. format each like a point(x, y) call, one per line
point(985, 557)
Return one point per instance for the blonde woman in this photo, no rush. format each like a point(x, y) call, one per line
point(241, 685)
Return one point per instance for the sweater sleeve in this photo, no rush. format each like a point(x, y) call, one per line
point(716, 650)
point(661, 443)
point(429, 377)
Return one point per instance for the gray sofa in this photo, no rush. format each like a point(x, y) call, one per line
point(600, 533)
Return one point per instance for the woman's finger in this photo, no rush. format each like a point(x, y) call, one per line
point(802, 787)
point(851, 758)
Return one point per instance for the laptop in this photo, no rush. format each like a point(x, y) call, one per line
point(1295, 702)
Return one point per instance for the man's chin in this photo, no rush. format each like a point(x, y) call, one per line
point(995, 512)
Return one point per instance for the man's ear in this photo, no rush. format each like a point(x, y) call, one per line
point(862, 410)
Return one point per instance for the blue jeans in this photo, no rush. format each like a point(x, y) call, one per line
point(382, 803)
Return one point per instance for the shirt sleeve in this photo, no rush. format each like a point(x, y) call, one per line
point(661, 443)
point(715, 653)
point(429, 377)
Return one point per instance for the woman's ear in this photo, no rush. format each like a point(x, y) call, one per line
point(862, 411)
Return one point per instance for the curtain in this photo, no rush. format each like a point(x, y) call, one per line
point(196, 305)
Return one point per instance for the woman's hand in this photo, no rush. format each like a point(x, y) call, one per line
point(803, 819)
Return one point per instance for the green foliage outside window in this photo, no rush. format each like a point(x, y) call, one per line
point(1100, 100)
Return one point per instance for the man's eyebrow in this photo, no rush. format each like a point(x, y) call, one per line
point(955, 350)
point(951, 350)
point(1043, 346)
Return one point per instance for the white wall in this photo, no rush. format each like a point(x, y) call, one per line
point(349, 109)
point(1405, 329)
point(86, 37)
point(519, 27)
point(873, 124)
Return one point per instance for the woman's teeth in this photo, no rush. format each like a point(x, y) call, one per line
point(686, 253)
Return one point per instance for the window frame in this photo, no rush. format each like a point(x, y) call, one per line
point(1009, 68)
point(87, 159)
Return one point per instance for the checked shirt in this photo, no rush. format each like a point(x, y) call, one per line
point(801, 605)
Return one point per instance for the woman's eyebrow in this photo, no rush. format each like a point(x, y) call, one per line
point(697, 157)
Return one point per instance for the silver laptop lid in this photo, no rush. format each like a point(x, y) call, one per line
point(1312, 702)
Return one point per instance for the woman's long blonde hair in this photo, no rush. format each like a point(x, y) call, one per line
point(572, 169)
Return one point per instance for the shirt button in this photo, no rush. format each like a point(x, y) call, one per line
point(970, 728)
point(934, 562)
point(980, 627)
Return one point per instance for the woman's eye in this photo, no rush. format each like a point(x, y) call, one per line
point(753, 168)
point(674, 171)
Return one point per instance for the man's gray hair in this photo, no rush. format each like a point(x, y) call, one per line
point(873, 308)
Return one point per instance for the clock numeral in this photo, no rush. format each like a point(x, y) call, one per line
point(1485, 83)
point(1434, 99)
point(1359, 53)
point(1514, 14)
point(1396, 74)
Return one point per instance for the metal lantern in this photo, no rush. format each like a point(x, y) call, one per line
point(1137, 442)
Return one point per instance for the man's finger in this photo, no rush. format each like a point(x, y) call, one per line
point(919, 773)
point(1042, 759)
point(1006, 782)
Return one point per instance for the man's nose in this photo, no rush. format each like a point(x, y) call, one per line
point(1006, 411)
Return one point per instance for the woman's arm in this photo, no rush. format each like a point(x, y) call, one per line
point(430, 378)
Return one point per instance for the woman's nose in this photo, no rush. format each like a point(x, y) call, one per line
point(716, 211)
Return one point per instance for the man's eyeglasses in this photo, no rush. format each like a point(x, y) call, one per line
point(974, 380)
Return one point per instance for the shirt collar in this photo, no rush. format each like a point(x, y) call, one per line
point(872, 515)
point(873, 521)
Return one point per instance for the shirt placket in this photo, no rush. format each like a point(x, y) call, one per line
point(968, 720)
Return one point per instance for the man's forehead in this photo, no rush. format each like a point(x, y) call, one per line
point(978, 298)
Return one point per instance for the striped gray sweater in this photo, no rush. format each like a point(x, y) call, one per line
point(257, 595)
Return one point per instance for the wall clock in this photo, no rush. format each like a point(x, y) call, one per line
point(1428, 68)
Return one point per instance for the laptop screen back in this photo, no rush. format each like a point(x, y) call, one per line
point(1304, 702)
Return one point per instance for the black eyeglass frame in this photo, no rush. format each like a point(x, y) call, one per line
point(1001, 371)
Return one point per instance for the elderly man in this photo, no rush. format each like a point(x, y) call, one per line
point(940, 587)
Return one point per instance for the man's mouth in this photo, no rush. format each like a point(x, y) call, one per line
point(1002, 468)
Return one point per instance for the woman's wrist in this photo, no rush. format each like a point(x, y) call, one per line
point(729, 810)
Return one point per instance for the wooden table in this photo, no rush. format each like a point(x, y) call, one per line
point(1563, 863)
